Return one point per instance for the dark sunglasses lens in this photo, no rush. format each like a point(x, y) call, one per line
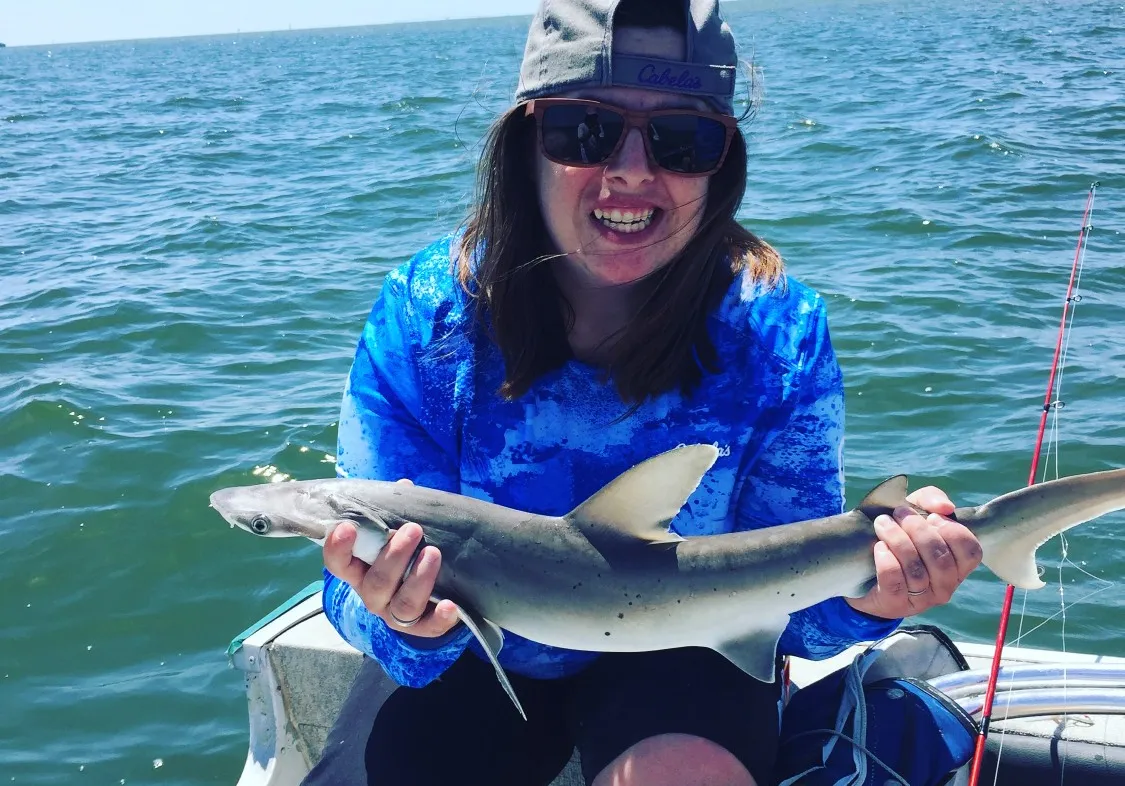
point(580, 134)
point(687, 143)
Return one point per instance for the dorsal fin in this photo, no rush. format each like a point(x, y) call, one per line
point(641, 502)
point(885, 497)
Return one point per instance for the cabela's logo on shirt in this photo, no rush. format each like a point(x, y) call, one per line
point(724, 450)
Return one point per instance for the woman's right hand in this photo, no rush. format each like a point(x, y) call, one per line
point(386, 588)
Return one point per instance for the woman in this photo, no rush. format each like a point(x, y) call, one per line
point(593, 313)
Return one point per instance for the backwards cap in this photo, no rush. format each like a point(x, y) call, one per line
point(570, 46)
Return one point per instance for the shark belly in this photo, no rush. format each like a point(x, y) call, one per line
point(681, 602)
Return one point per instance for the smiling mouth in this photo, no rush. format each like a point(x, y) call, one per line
point(625, 221)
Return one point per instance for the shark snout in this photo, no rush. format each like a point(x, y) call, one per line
point(221, 500)
point(231, 504)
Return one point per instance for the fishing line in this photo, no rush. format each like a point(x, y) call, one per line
point(1010, 694)
point(895, 777)
point(1079, 602)
point(1055, 406)
point(1051, 403)
point(1054, 445)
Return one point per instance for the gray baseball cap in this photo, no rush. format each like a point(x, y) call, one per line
point(570, 46)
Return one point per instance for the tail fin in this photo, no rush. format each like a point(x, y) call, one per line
point(1013, 526)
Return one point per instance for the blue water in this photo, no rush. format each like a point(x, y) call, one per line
point(192, 232)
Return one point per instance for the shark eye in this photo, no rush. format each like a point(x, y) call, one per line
point(260, 525)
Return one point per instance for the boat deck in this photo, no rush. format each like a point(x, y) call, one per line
point(299, 672)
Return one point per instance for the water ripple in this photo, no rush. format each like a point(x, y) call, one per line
point(186, 261)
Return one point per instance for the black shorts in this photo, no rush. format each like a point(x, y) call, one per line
point(463, 729)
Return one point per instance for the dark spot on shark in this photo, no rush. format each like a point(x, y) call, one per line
point(620, 615)
point(607, 633)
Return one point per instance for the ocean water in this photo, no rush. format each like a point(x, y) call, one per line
point(192, 232)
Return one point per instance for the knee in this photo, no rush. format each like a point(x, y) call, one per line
point(680, 759)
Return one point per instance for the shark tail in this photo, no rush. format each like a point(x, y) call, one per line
point(1012, 527)
point(1014, 562)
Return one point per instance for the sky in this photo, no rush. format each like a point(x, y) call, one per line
point(27, 22)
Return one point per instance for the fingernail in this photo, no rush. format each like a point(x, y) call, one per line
point(883, 521)
point(427, 556)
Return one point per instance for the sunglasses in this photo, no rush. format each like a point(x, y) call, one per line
point(579, 132)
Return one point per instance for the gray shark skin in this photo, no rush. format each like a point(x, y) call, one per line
point(610, 577)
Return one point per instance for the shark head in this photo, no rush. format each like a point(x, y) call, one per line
point(279, 510)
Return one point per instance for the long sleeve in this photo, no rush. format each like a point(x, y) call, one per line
point(798, 475)
point(381, 437)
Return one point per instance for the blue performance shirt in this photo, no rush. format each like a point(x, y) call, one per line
point(421, 403)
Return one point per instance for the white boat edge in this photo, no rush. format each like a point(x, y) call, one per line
point(298, 672)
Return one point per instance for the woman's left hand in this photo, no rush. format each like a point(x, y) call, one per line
point(919, 560)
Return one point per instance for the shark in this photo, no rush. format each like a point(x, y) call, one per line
point(611, 576)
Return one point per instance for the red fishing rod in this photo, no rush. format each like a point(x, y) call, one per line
point(1050, 402)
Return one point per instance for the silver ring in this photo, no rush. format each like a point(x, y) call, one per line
point(911, 593)
point(407, 623)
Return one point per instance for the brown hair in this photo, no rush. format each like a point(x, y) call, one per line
point(666, 345)
point(504, 250)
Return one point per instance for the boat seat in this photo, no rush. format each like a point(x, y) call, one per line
point(1048, 761)
point(1027, 760)
point(312, 701)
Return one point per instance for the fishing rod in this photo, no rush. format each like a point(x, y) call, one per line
point(1051, 402)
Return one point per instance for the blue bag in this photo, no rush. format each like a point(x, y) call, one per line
point(877, 722)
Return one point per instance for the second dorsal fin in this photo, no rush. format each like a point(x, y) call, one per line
point(885, 497)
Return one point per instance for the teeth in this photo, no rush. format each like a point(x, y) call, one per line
point(625, 221)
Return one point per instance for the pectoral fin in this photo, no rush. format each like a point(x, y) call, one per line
point(491, 640)
point(756, 651)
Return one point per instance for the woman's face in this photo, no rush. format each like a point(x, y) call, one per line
point(587, 209)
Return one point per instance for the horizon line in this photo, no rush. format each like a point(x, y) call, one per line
point(410, 22)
